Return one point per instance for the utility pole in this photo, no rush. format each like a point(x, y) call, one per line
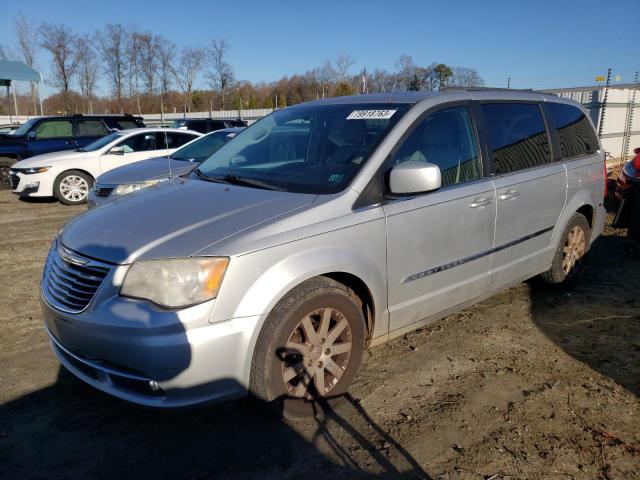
point(508, 82)
point(603, 105)
point(628, 126)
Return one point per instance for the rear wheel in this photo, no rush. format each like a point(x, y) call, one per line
point(72, 187)
point(569, 256)
point(310, 348)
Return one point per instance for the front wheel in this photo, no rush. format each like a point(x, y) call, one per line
point(72, 187)
point(569, 257)
point(310, 348)
point(5, 169)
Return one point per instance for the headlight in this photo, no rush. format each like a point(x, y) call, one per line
point(176, 282)
point(29, 171)
point(132, 187)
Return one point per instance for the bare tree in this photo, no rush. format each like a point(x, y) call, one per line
point(166, 53)
point(148, 53)
point(466, 77)
point(27, 34)
point(326, 75)
point(111, 44)
point(191, 62)
point(343, 63)
point(221, 74)
point(60, 41)
point(88, 68)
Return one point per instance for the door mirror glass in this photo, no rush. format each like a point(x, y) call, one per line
point(414, 177)
point(117, 151)
point(31, 135)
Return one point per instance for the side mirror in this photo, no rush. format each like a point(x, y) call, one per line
point(117, 151)
point(414, 177)
point(31, 135)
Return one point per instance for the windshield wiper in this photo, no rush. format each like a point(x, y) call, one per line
point(236, 180)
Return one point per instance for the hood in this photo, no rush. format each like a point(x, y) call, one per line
point(153, 169)
point(46, 159)
point(174, 219)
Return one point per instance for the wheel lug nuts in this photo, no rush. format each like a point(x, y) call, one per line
point(327, 351)
point(320, 364)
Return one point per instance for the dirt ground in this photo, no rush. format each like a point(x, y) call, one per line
point(532, 383)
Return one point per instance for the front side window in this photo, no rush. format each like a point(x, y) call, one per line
point(54, 129)
point(518, 136)
point(139, 143)
point(575, 133)
point(91, 128)
point(127, 124)
point(306, 149)
point(202, 148)
point(445, 138)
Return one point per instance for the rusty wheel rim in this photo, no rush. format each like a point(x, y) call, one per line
point(317, 354)
point(574, 249)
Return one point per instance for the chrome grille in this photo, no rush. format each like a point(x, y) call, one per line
point(71, 280)
point(103, 191)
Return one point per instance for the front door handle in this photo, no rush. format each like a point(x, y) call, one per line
point(509, 194)
point(481, 202)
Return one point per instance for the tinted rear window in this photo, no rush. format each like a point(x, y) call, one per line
point(518, 136)
point(575, 133)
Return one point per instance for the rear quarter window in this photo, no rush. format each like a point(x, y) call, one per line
point(518, 136)
point(575, 133)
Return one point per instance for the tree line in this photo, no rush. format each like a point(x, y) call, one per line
point(147, 73)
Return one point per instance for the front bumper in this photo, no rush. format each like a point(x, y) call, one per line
point(29, 185)
point(152, 357)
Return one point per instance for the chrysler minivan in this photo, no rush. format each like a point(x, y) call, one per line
point(322, 229)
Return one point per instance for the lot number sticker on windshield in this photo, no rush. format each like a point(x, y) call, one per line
point(371, 114)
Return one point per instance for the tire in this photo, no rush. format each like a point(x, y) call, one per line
point(5, 167)
point(72, 187)
point(633, 232)
point(569, 257)
point(289, 366)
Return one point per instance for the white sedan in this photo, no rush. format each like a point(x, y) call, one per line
point(69, 175)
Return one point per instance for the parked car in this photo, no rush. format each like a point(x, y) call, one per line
point(53, 134)
point(319, 231)
point(206, 125)
point(628, 195)
point(68, 176)
point(146, 173)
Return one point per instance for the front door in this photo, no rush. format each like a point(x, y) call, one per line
point(52, 135)
point(530, 190)
point(136, 147)
point(439, 243)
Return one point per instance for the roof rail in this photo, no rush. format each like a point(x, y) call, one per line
point(486, 89)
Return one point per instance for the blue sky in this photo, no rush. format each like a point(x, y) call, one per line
point(537, 43)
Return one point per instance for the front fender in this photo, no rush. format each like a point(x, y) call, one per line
point(257, 281)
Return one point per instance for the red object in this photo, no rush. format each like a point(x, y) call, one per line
point(636, 162)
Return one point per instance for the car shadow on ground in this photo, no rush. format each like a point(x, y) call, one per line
point(596, 319)
point(80, 432)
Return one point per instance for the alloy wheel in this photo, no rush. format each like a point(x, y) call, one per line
point(317, 354)
point(574, 248)
point(74, 188)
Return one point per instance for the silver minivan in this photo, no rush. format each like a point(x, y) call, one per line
point(321, 230)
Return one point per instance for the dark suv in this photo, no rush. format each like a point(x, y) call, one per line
point(206, 125)
point(52, 134)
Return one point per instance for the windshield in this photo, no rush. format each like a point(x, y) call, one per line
point(101, 142)
point(203, 147)
point(305, 149)
point(178, 123)
point(25, 127)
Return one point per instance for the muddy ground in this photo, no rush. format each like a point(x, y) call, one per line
point(532, 383)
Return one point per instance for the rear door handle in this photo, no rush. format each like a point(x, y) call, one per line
point(481, 202)
point(509, 194)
